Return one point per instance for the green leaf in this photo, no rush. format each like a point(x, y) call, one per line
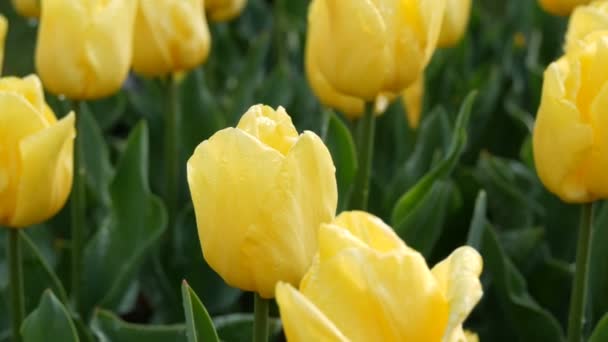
point(50, 320)
point(52, 278)
point(478, 223)
point(600, 333)
point(98, 169)
point(108, 327)
point(342, 148)
point(530, 321)
point(598, 266)
point(137, 220)
point(199, 327)
point(411, 198)
point(239, 327)
point(423, 224)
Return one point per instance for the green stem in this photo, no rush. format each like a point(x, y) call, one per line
point(579, 290)
point(16, 282)
point(260, 316)
point(171, 151)
point(78, 213)
point(367, 126)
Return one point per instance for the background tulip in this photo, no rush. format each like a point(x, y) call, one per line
point(84, 47)
point(3, 29)
point(171, 35)
point(360, 46)
point(561, 7)
point(36, 154)
point(260, 191)
point(570, 139)
point(413, 98)
point(455, 22)
point(27, 8)
point(585, 20)
point(223, 10)
point(367, 285)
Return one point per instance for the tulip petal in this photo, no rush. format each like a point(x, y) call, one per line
point(46, 175)
point(585, 20)
point(412, 99)
point(30, 88)
point(224, 10)
point(273, 128)
point(370, 230)
point(597, 179)
point(3, 29)
point(458, 277)
point(352, 68)
point(561, 140)
point(18, 119)
point(372, 296)
point(302, 321)
point(241, 195)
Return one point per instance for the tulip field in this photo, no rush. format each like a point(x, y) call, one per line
point(303, 170)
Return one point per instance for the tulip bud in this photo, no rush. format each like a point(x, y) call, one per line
point(3, 30)
point(569, 142)
point(365, 284)
point(35, 154)
point(365, 48)
point(455, 21)
point(84, 47)
point(586, 20)
point(27, 8)
point(412, 100)
point(260, 192)
point(171, 36)
point(224, 10)
point(561, 7)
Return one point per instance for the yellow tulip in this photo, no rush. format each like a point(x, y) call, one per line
point(470, 336)
point(455, 22)
point(585, 20)
point(3, 30)
point(561, 7)
point(27, 8)
point(35, 154)
point(223, 10)
point(412, 100)
point(365, 284)
point(260, 191)
point(171, 36)
point(360, 46)
point(84, 47)
point(571, 132)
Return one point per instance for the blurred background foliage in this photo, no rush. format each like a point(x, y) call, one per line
point(493, 200)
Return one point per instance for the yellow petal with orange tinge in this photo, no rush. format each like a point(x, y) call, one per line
point(171, 36)
point(458, 276)
point(48, 173)
point(561, 7)
point(295, 309)
point(224, 10)
point(27, 8)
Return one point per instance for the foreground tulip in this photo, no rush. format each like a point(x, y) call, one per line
point(3, 30)
point(27, 8)
point(359, 45)
point(260, 191)
point(36, 154)
point(223, 10)
point(586, 20)
point(455, 22)
point(561, 7)
point(84, 47)
point(171, 36)
point(570, 139)
point(365, 284)
point(413, 100)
